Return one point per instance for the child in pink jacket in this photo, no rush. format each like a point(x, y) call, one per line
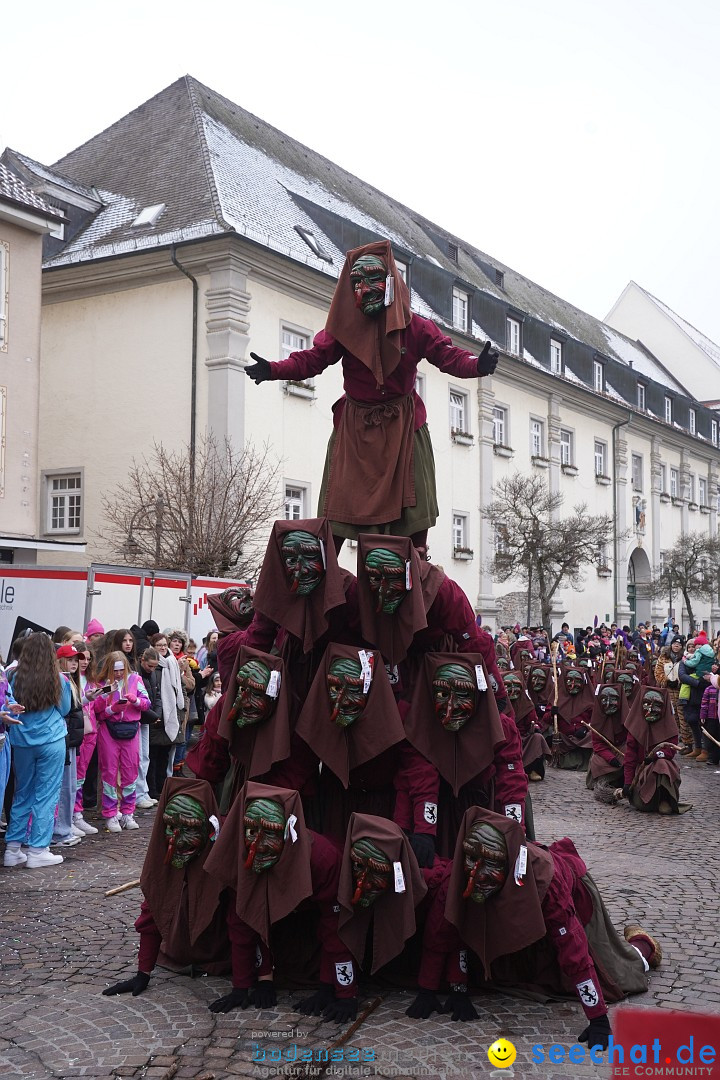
point(117, 713)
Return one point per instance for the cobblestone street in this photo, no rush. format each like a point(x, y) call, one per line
point(63, 942)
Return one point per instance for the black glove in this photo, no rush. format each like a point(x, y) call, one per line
point(597, 1033)
point(238, 998)
point(316, 1004)
point(627, 791)
point(615, 763)
point(260, 370)
point(264, 994)
point(424, 1005)
point(133, 986)
point(424, 848)
point(487, 360)
point(341, 1010)
point(459, 1004)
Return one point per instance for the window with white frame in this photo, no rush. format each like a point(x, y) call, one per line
point(537, 437)
point(295, 502)
point(4, 291)
point(600, 458)
point(637, 472)
point(691, 487)
point(663, 560)
point(458, 411)
point(668, 410)
point(663, 477)
point(556, 356)
point(641, 396)
point(64, 503)
point(420, 386)
point(702, 490)
point(402, 269)
point(500, 539)
point(567, 454)
point(499, 416)
point(601, 556)
point(674, 483)
point(460, 304)
point(460, 531)
point(692, 421)
point(512, 334)
point(293, 339)
point(598, 376)
point(714, 432)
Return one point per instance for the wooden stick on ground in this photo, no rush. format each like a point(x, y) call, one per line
point(615, 749)
point(709, 736)
point(123, 888)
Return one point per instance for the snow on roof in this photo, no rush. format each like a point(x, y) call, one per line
point(633, 356)
point(13, 190)
point(43, 173)
point(709, 347)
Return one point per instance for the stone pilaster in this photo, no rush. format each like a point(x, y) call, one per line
point(227, 327)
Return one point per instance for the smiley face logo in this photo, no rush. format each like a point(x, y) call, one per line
point(501, 1054)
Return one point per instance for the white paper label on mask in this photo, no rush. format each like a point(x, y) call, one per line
point(366, 663)
point(430, 813)
point(258, 955)
point(480, 677)
point(216, 827)
point(587, 993)
point(389, 290)
point(393, 674)
point(290, 828)
point(408, 576)
point(462, 961)
point(344, 973)
point(598, 688)
point(321, 542)
point(513, 811)
point(521, 865)
point(399, 877)
point(273, 688)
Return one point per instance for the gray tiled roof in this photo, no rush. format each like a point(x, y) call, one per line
point(218, 168)
point(13, 190)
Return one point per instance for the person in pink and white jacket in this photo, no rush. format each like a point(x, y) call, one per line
point(117, 711)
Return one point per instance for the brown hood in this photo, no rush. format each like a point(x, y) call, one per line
point(258, 746)
point(393, 634)
point(225, 607)
point(524, 703)
point(305, 617)
point(513, 918)
point(163, 885)
point(612, 727)
point(393, 914)
point(375, 341)
point(569, 707)
point(459, 756)
point(546, 696)
point(263, 899)
point(649, 735)
point(377, 729)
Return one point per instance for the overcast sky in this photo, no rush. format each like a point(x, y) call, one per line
point(575, 141)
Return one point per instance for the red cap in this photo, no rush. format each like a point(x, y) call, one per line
point(66, 652)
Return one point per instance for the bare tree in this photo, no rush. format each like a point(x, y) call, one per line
point(535, 545)
point(690, 566)
point(205, 514)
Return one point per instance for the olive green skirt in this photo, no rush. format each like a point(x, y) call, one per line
point(414, 518)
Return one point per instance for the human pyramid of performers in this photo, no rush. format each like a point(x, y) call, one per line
point(359, 808)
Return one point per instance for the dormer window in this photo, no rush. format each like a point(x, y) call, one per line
point(313, 243)
point(641, 396)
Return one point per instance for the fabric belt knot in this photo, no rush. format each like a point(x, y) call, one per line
point(378, 414)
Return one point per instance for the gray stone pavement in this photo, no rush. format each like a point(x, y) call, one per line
point(62, 942)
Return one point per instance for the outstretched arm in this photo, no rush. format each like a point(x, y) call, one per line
point(299, 365)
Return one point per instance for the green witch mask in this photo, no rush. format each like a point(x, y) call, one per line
point(609, 699)
point(574, 682)
point(264, 831)
point(302, 556)
point(652, 706)
point(513, 686)
point(372, 872)
point(252, 704)
point(187, 830)
point(345, 690)
point(454, 695)
point(367, 278)
point(486, 862)
point(386, 576)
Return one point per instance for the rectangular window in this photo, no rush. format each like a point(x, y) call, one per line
point(460, 309)
point(691, 421)
point(501, 540)
point(663, 478)
point(714, 432)
point(513, 336)
point(295, 502)
point(637, 472)
point(499, 426)
point(420, 386)
point(291, 341)
point(537, 438)
point(4, 290)
point(598, 376)
point(556, 357)
point(459, 531)
point(663, 557)
point(600, 458)
point(64, 503)
point(668, 410)
point(674, 483)
point(3, 437)
point(458, 410)
point(402, 269)
point(566, 447)
point(691, 487)
point(641, 396)
point(702, 491)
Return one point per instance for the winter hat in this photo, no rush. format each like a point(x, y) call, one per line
point(150, 627)
point(701, 638)
point(94, 627)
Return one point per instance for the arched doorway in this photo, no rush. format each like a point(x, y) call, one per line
point(638, 594)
